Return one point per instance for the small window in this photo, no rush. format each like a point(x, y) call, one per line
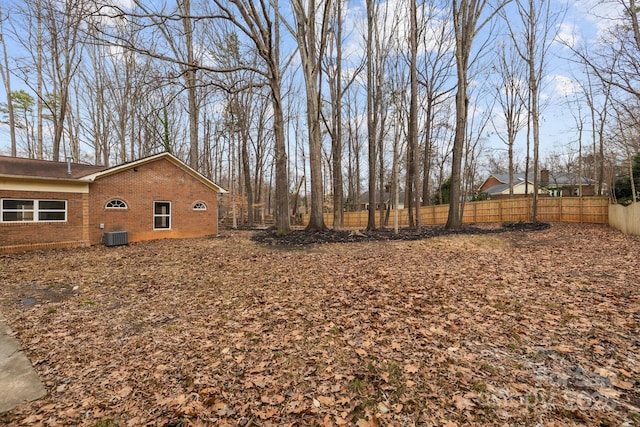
point(18, 210)
point(199, 206)
point(116, 204)
point(161, 215)
point(52, 210)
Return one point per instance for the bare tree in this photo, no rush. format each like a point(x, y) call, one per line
point(598, 99)
point(626, 137)
point(261, 25)
point(6, 81)
point(30, 34)
point(59, 32)
point(354, 149)
point(616, 59)
point(190, 80)
point(312, 42)
point(372, 113)
point(333, 70)
point(399, 112)
point(338, 85)
point(467, 23)
point(180, 42)
point(434, 77)
point(380, 40)
point(540, 25)
point(511, 98)
point(413, 154)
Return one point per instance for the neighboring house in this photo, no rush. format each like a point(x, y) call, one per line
point(496, 186)
point(47, 204)
point(564, 185)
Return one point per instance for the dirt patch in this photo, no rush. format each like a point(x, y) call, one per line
point(35, 293)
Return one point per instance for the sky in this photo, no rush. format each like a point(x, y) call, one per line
point(584, 20)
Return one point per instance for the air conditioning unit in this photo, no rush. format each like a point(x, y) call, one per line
point(115, 238)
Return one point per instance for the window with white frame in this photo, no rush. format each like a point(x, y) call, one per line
point(199, 206)
point(33, 210)
point(116, 204)
point(161, 215)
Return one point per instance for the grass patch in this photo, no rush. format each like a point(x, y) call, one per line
point(357, 385)
point(479, 386)
point(487, 367)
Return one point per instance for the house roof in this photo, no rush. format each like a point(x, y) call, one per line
point(504, 188)
point(15, 167)
point(503, 178)
point(31, 168)
point(517, 177)
point(497, 189)
point(561, 179)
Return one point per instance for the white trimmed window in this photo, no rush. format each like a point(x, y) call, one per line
point(199, 206)
point(116, 204)
point(161, 215)
point(33, 210)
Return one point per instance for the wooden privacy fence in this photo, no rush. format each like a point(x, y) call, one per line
point(550, 209)
point(625, 218)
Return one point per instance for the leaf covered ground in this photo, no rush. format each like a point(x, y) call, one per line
point(538, 327)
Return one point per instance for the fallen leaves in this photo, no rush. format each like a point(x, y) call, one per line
point(498, 329)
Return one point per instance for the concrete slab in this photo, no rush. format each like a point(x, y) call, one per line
point(18, 380)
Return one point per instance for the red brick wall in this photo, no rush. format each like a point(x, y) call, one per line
point(15, 236)
point(139, 188)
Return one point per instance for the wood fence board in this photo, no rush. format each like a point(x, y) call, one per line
point(550, 209)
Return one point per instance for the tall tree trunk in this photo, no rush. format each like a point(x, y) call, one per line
point(316, 221)
point(262, 25)
point(246, 166)
point(311, 44)
point(190, 77)
point(59, 119)
point(454, 219)
point(394, 191)
point(381, 154)
point(283, 222)
point(428, 155)
point(464, 28)
point(371, 117)
point(6, 79)
point(466, 15)
point(535, 119)
point(336, 148)
point(414, 160)
point(39, 81)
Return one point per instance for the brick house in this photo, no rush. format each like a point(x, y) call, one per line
point(566, 185)
point(496, 186)
point(45, 204)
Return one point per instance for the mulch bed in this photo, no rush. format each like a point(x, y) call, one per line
point(303, 237)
